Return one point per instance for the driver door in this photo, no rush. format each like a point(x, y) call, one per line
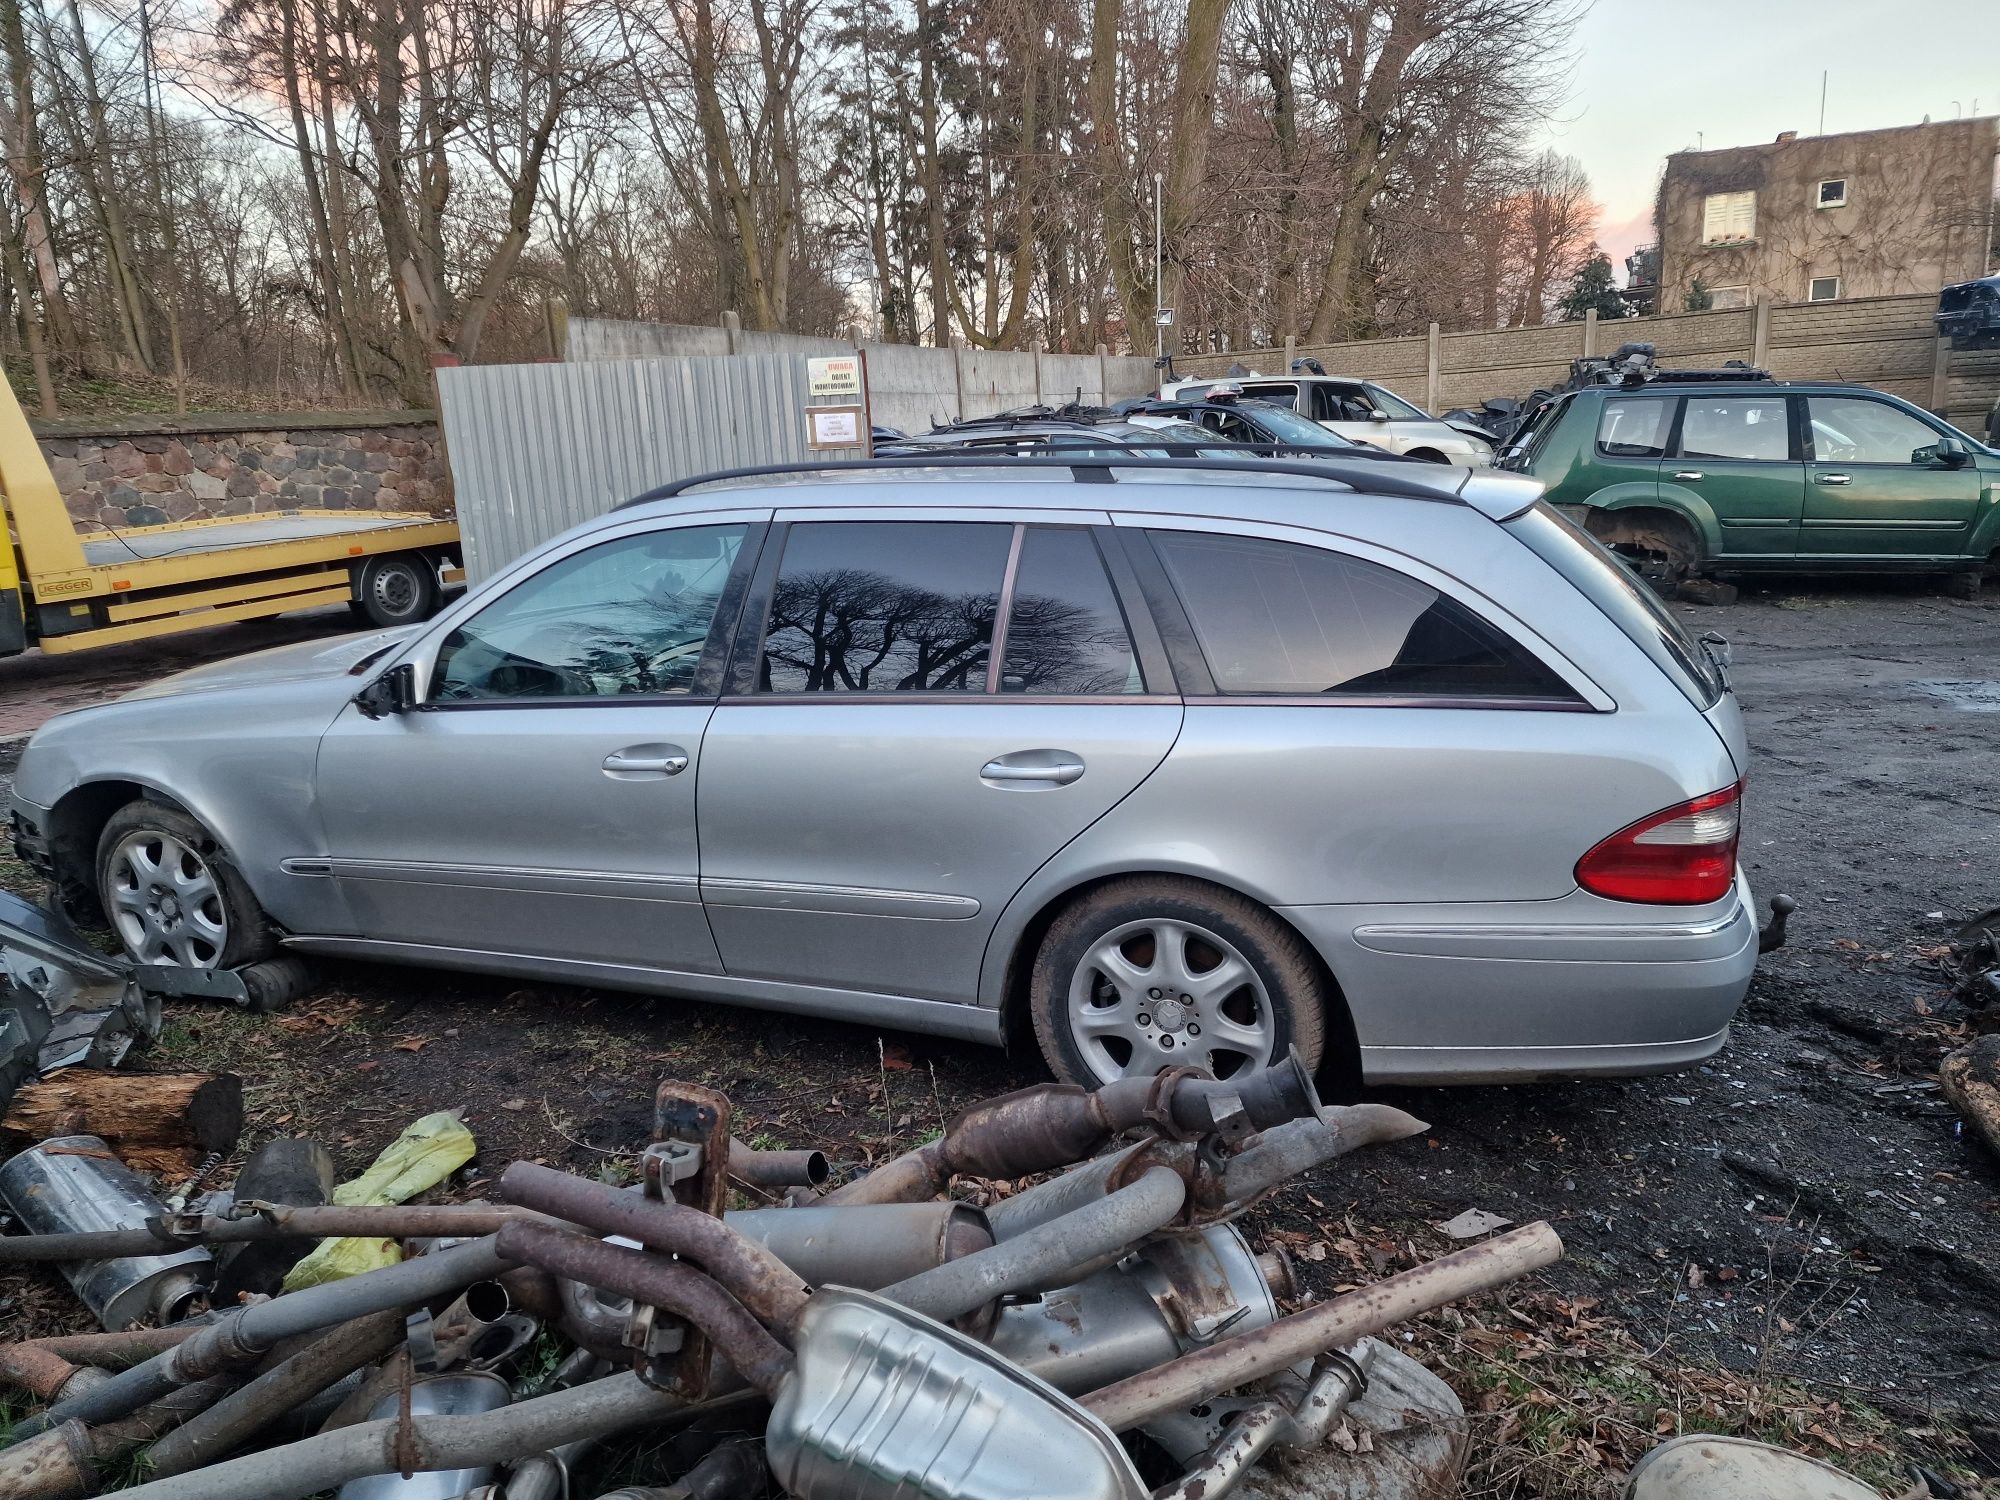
point(1867, 494)
point(540, 800)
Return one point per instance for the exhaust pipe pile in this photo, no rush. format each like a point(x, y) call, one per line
point(868, 1343)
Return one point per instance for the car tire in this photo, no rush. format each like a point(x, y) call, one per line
point(398, 588)
point(1179, 932)
point(171, 895)
point(1964, 585)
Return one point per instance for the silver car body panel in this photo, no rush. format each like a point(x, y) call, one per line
point(845, 857)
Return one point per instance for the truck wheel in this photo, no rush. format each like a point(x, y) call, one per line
point(171, 894)
point(396, 589)
point(1152, 972)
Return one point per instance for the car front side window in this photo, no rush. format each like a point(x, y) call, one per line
point(1286, 620)
point(1854, 430)
point(627, 618)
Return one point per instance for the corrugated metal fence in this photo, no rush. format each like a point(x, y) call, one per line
point(909, 387)
point(535, 449)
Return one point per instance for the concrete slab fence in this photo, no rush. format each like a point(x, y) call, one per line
point(1886, 342)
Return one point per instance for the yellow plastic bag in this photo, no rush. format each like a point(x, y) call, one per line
point(426, 1153)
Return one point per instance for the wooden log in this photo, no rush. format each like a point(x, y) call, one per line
point(144, 1117)
point(1971, 1080)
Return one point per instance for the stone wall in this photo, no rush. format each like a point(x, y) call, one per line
point(142, 471)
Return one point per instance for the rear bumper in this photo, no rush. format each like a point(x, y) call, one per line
point(1518, 990)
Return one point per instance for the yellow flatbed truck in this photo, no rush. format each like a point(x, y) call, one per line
point(66, 590)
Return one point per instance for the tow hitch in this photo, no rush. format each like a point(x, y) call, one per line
point(1771, 936)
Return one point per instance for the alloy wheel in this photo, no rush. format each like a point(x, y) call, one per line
point(1164, 993)
point(166, 902)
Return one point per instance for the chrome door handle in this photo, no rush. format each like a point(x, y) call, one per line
point(1832, 479)
point(646, 760)
point(1688, 474)
point(1061, 772)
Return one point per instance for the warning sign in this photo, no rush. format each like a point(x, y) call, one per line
point(834, 375)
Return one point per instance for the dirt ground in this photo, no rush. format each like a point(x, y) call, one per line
point(1797, 1241)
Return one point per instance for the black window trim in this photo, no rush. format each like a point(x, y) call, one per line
point(707, 685)
point(1806, 445)
point(1209, 695)
point(739, 679)
point(1673, 427)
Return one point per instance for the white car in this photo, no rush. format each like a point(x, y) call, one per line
point(1358, 409)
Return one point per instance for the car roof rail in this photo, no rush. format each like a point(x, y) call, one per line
point(1358, 474)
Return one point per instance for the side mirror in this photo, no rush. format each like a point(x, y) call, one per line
point(394, 692)
point(1949, 452)
point(1376, 414)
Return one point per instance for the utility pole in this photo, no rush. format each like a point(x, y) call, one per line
point(1159, 265)
point(1822, 101)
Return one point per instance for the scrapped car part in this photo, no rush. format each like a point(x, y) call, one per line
point(1976, 950)
point(1335, 1324)
point(1169, 1297)
point(62, 1003)
point(1219, 1188)
point(1710, 1467)
point(225, 1426)
point(732, 1472)
point(470, 1394)
point(71, 1460)
point(758, 1168)
point(865, 1245)
point(244, 1335)
point(76, 1183)
point(657, 1282)
point(1055, 1125)
point(769, 1289)
point(254, 1221)
point(1051, 1254)
point(885, 1403)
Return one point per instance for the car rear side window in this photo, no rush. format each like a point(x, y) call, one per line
point(628, 618)
point(1608, 583)
point(885, 607)
point(1278, 618)
point(1746, 427)
point(1064, 631)
point(1635, 427)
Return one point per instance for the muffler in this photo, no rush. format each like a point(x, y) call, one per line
point(77, 1183)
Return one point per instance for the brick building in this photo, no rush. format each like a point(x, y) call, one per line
point(1826, 218)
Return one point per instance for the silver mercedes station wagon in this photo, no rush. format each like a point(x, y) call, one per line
point(1154, 761)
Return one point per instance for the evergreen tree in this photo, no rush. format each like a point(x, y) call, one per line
point(1591, 288)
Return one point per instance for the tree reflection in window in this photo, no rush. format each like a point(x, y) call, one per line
point(885, 607)
point(1065, 632)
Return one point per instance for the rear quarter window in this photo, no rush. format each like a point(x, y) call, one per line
point(1622, 596)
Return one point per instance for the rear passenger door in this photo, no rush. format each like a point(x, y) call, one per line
point(921, 711)
point(1739, 455)
point(1868, 495)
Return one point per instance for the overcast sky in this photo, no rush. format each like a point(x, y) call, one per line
point(1653, 76)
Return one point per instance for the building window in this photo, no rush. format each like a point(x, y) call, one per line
point(1728, 217)
point(1728, 297)
point(1824, 289)
point(1833, 193)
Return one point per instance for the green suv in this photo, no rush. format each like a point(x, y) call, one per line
point(1727, 477)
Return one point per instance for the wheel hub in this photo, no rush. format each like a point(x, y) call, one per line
point(1161, 991)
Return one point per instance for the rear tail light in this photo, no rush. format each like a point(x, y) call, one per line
point(1684, 855)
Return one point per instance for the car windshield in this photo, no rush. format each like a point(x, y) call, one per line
point(1399, 409)
point(1287, 426)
